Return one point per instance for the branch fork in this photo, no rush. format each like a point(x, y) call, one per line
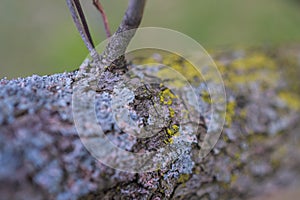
point(131, 20)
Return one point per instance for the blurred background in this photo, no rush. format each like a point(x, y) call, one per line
point(39, 37)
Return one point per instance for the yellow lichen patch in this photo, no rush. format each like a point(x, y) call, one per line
point(171, 77)
point(171, 112)
point(230, 111)
point(254, 68)
point(182, 66)
point(278, 155)
point(185, 114)
point(175, 128)
point(206, 97)
point(237, 157)
point(243, 113)
point(256, 138)
point(172, 131)
point(166, 97)
point(178, 70)
point(291, 100)
point(254, 61)
point(183, 178)
point(233, 178)
point(224, 185)
point(169, 141)
point(225, 138)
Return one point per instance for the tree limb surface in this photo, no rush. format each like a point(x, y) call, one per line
point(42, 156)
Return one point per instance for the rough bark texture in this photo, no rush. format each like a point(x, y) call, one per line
point(42, 156)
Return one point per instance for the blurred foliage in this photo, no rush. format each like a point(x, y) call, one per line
point(39, 37)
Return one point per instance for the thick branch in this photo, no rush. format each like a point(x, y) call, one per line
point(42, 157)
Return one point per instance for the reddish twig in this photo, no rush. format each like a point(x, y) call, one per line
point(99, 7)
point(117, 45)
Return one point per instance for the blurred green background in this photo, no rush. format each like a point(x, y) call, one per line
point(39, 37)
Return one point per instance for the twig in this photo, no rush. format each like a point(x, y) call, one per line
point(83, 20)
point(99, 7)
point(115, 50)
point(82, 27)
point(133, 15)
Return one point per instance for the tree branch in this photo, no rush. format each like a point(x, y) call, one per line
point(133, 15)
point(113, 56)
point(42, 156)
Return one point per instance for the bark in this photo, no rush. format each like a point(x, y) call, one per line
point(42, 156)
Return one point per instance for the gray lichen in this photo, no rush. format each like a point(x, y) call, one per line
point(42, 156)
